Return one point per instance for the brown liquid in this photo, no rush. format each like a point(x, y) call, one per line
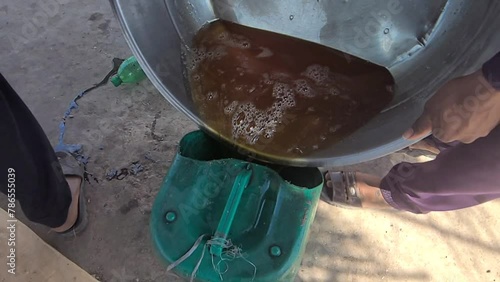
point(280, 95)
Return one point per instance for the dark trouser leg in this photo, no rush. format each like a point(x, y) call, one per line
point(461, 176)
point(40, 186)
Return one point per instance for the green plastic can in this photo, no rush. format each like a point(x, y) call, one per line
point(220, 217)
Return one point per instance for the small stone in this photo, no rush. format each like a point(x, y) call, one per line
point(136, 168)
point(111, 174)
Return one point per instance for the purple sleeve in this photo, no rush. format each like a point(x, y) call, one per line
point(491, 71)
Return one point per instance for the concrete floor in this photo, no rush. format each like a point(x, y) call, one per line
point(52, 49)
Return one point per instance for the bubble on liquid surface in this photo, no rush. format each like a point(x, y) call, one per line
point(212, 95)
point(303, 88)
point(237, 41)
point(334, 129)
point(317, 73)
point(230, 108)
point(334, 91)
point(252, 124)
point(223, 35)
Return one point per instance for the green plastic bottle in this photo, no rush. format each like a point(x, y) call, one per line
point(129, 72)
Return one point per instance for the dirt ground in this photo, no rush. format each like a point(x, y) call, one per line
point(51, 53)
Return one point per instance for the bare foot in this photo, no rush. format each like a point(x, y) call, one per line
point(74, 183)
point(425, 145)
point(369, 191)
point(371, 195)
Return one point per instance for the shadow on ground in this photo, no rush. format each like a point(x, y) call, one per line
point(363, 245)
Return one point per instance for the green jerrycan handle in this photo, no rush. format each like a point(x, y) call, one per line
point(227, 218)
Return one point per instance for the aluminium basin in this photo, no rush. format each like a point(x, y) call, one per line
point(423, 43)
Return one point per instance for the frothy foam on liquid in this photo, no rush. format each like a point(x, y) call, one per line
point(280, 95)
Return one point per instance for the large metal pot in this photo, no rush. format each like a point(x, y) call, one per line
point(423, 43)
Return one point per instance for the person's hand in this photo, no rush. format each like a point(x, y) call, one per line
point(464, 109)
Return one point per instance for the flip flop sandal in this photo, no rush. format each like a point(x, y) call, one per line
point(71, 167)
point(344, 193)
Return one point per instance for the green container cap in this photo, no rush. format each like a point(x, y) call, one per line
point(116, 80)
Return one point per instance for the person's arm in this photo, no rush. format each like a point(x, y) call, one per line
point(464, 109)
